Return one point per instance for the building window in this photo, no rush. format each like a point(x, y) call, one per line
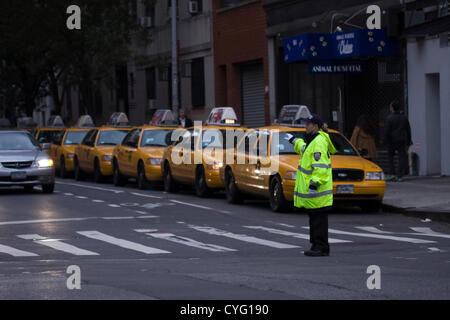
point(150, 81)
point(195, 7)
point(231, 3)
point(198, 83)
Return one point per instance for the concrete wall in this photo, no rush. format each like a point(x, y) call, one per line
point(429, 104)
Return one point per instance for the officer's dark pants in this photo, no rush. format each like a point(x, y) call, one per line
point(403, 167)
point(318, 229)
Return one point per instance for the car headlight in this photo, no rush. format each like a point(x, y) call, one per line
point(70, 155)
point(107, 158)
point(44, 163)
point(290, 175)
point(154, 161)
point(374, 175)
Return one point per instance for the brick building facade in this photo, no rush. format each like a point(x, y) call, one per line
point(241, 59)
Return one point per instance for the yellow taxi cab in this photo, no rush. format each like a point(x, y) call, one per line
point(140, 153)
point(62, 149)
point(46, 135)
point(94, 154)
point(270, 166)
point(198, 153)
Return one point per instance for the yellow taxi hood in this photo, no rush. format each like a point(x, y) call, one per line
point(106, 150)
point(353, 162)
point(154, 152)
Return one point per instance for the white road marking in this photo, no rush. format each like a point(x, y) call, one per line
point(6, 223)
point(374, 230)
point(99, 201)
point(57, 245)
point(121, 242)
point(145, 195)
point(423, 231)
point(432, 249)
point(16, 252)
point(199, 206)
point(81, 197)
point(90, 187)
point(186, 241)
point(378, 236)
point(113, 205)
point(117, 218)
point(68, 194)
point(146, 230)
point(140, 212)
point(243, 237)
point(146, 217)
point(292, 234)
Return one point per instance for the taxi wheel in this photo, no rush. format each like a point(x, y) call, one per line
point(370, 206)
point(141, 179)
point(78, 172)
point(234, 196)
point(48, 188)
point(277, 201)
point(169, 183)
point(118, 179)
point(201, 188)
point(62, 169)
point(98, 177)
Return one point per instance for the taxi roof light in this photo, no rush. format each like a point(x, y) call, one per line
point(222, 116)
point(85, 122)
point(118, 119)
point(292, 115)
point(26, 122)
point(163, 117)
point(56, 122)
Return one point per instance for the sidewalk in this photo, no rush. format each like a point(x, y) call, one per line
point(424, 197)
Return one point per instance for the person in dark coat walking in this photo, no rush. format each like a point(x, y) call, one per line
point(184, 121)
point(397, 137)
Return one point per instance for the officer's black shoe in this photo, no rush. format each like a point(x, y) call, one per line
point(316, 253)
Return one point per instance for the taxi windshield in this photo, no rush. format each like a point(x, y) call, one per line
point(17, 141)
point(111, 137)
point(48, 136)
point(215, 138)
point(156, 138)
point(286, 148)
point(74, 137)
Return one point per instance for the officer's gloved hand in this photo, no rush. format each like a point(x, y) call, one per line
point(289, 138)
point(312, 189)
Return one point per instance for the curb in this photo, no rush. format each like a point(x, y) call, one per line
point(441, 216)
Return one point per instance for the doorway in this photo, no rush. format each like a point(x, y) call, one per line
point(433, 123)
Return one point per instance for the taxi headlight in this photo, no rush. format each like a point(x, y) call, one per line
point(290, 175)
point(107, 158)
point(70, 155)
point(374, 176)
point(154, 161)
point(214, 166)
point(44, 163)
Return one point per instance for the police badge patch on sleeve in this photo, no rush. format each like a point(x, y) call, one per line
point(317, 156)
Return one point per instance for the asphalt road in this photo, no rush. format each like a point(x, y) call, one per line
point(133, 244)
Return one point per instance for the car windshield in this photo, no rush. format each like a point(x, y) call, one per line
point(215, 138)
point(17, 141)
point(48, 136)
point(156, 138)
point(74, 137)
point(285, 148)
point(111, 137)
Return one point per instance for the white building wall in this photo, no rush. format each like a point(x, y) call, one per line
point(427, 61)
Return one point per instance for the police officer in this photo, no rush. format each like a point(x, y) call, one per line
point(314, 181)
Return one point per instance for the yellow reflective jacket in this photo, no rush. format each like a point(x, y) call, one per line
point(314, 169)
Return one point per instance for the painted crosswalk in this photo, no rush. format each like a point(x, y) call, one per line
point(190, 235)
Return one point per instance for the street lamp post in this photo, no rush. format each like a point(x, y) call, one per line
point(175, 103)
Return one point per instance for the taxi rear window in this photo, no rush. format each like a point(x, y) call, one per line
point(216, 138)
point(156, 138)
point(74, 137)
point(111, 137)
point(48, 136)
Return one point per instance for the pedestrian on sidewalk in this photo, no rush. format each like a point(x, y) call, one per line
point(184, 121)
point(363, 137)
point(314, 181)
point(397, 137)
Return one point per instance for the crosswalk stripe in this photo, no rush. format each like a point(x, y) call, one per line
point(293, 234)
point(16, 252)
point(243, 237)
point(189, 242)
point(121, 242)
point(57, 245)
point(374, 230)
point(424, 231)
point(378, 236)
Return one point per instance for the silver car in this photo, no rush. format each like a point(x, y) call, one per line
point(24, 163)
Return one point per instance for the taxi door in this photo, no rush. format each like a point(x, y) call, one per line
point(184, 152)
point(129, 146)
point(85, 149)
point(246, 152)
point(55, 146)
